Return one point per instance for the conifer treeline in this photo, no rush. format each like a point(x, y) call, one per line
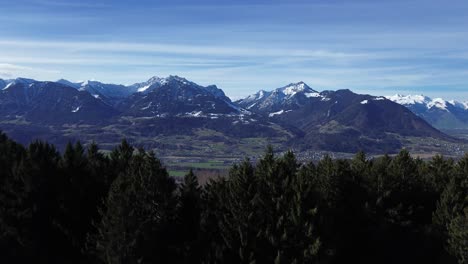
point(86, 207)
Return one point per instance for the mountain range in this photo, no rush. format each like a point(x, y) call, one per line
point(440, 113)
point(173, 113)
point(340, 120)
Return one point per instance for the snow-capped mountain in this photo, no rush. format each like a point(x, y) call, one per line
point(62, 111)
point(110, 93)
point(146, 87)
point(438, 112)
point(156, 82)
point(328, 120)
point(340, 120)
point(7, 83)
point(169, 96)
point(427, 102)
point(176, 96)
point(285, 98)
point(50, 103)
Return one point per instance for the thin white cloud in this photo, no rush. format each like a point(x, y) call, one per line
point(12, 71)
point(71, 4)
point(179, 49)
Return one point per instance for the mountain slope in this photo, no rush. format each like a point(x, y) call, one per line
point(344, 121)
point(76, 85)
point(145, 87)
point(173, 112)
point(109, 93)
point(438, 112)
point(50, 103)
point(3, 83)
point(176, 96)
point(286, 98)
point(170, 107)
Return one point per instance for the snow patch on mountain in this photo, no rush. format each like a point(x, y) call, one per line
point(195, 113)
point(286, 97)
point(23, 81)
point(309, 95)
point(294, 88)
point(276, 113)
point(76, 109)
point(8, 85)
point(153, 83)
point(439, 103)
point(409, 99)
point(256, 97)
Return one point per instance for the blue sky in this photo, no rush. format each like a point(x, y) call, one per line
point(376, 47)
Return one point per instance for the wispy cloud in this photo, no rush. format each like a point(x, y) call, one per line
point(8, 71)
point(243, 46)
point(180, 49)
point(70, 4)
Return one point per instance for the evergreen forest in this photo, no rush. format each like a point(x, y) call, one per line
point(85, 206)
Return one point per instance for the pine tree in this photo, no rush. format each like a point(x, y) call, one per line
point(120, 159)
point(189, 219)
point(213, 198)
point(439, 171)
point(450, 215)
point(238, 228)
point(458, 237)
point(136, 223)
point(12, 202)
point(454, 197)
point(34, 206)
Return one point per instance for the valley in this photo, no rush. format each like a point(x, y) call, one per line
point(186, 124)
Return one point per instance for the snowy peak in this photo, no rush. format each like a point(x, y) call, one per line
point(257, 96)
point(23, 81)
point(284, 98)
point(462, 105)
point(421, 100)
point(438, 103)
point(175, 82)
point(294, 88)
point(177, 79)
point(155, 82)
point(176, 96)
point(440, 113)
point(144, 87)
point(409, 99)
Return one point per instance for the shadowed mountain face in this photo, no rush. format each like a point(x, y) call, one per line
point(342, 120)
point(178, 97)
point(3, 83)
point(51, 103)
point(109, 93)
point(295, 114)
point(163, 107)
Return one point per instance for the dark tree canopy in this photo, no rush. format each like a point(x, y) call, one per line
point(84, 206)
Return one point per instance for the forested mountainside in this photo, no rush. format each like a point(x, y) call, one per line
point(82, 206)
